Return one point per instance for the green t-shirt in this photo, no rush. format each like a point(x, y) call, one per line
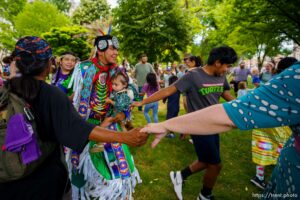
point(141, 71)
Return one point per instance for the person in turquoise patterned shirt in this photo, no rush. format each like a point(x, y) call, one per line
point(121, 99)
point(276, 103)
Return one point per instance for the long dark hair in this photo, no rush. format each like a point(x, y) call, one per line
point(197, 60)
point(152, 81)
point(26, 86)
point(285, 63)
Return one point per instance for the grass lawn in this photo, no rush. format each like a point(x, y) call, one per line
point(154, 165)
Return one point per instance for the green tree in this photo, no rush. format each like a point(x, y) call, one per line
point(7, 37)
point(39, 17)
point(281, 16)
point(159, 28)
point(251, 27)
point(62, 5)
point(89, 11)
point(8, 10)
point(71, 38)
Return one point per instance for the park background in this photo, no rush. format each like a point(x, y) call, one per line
point(175, 154)
point(165, 29)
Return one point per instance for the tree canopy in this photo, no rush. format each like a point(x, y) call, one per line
point(165, 29)
point(62, 5)
point(89, 11)
point(8, 11)
point(158, 28)
point(73, 38)
point(32, 20)
point(255, 27)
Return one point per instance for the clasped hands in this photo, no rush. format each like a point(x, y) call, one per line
point(139, 136)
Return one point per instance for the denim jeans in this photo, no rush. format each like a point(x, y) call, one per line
point(154, 107)
point(140, 108)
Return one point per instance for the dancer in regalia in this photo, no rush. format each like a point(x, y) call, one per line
point(109, 173)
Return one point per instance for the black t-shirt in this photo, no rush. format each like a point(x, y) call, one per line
point(57, 121)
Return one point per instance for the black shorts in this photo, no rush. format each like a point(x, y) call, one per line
point(207, 148)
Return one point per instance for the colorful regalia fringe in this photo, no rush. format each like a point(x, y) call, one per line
point(96, 186)
point(107, 175)
point(267, 144)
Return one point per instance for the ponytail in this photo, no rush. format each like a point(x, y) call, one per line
point(27, 86)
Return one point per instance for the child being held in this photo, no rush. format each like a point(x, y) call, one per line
point(121, 99)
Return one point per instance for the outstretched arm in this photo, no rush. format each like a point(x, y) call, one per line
point(227, 96)
point(132, 138)
point(159, 95)
point(207, 121)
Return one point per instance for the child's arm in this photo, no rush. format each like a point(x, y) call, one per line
point(109, 101)
point(120, 116)
point(106, 122)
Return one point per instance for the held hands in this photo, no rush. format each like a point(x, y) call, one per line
point(135, 137)
point(137, 103)
point(158, 129)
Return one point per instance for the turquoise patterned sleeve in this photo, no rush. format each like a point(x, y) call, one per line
point(122, 102)
point(277, 103)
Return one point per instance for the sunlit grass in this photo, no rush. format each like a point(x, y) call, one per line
point(174, 154)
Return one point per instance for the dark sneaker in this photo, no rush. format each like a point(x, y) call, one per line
point(202, 197)
point(177, 181)
point(256, 181)
point(171, 135)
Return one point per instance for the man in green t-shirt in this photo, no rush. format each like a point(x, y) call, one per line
point(141, 70)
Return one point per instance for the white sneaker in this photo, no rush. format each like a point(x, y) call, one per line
point(177, 182)
point(202, 197)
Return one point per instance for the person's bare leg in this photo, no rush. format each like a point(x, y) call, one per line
point(211, 174)
point(210, 177)
point(197, 166)
point(184, 103)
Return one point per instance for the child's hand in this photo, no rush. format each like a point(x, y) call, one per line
point(108, 100)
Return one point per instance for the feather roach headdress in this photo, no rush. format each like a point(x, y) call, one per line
point(102, 30)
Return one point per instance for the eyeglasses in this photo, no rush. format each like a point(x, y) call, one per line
point(185, 59)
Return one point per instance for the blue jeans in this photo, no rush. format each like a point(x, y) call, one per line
point(140, 108)
point(154, 107)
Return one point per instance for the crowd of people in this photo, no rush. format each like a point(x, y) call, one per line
point(84, 108)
